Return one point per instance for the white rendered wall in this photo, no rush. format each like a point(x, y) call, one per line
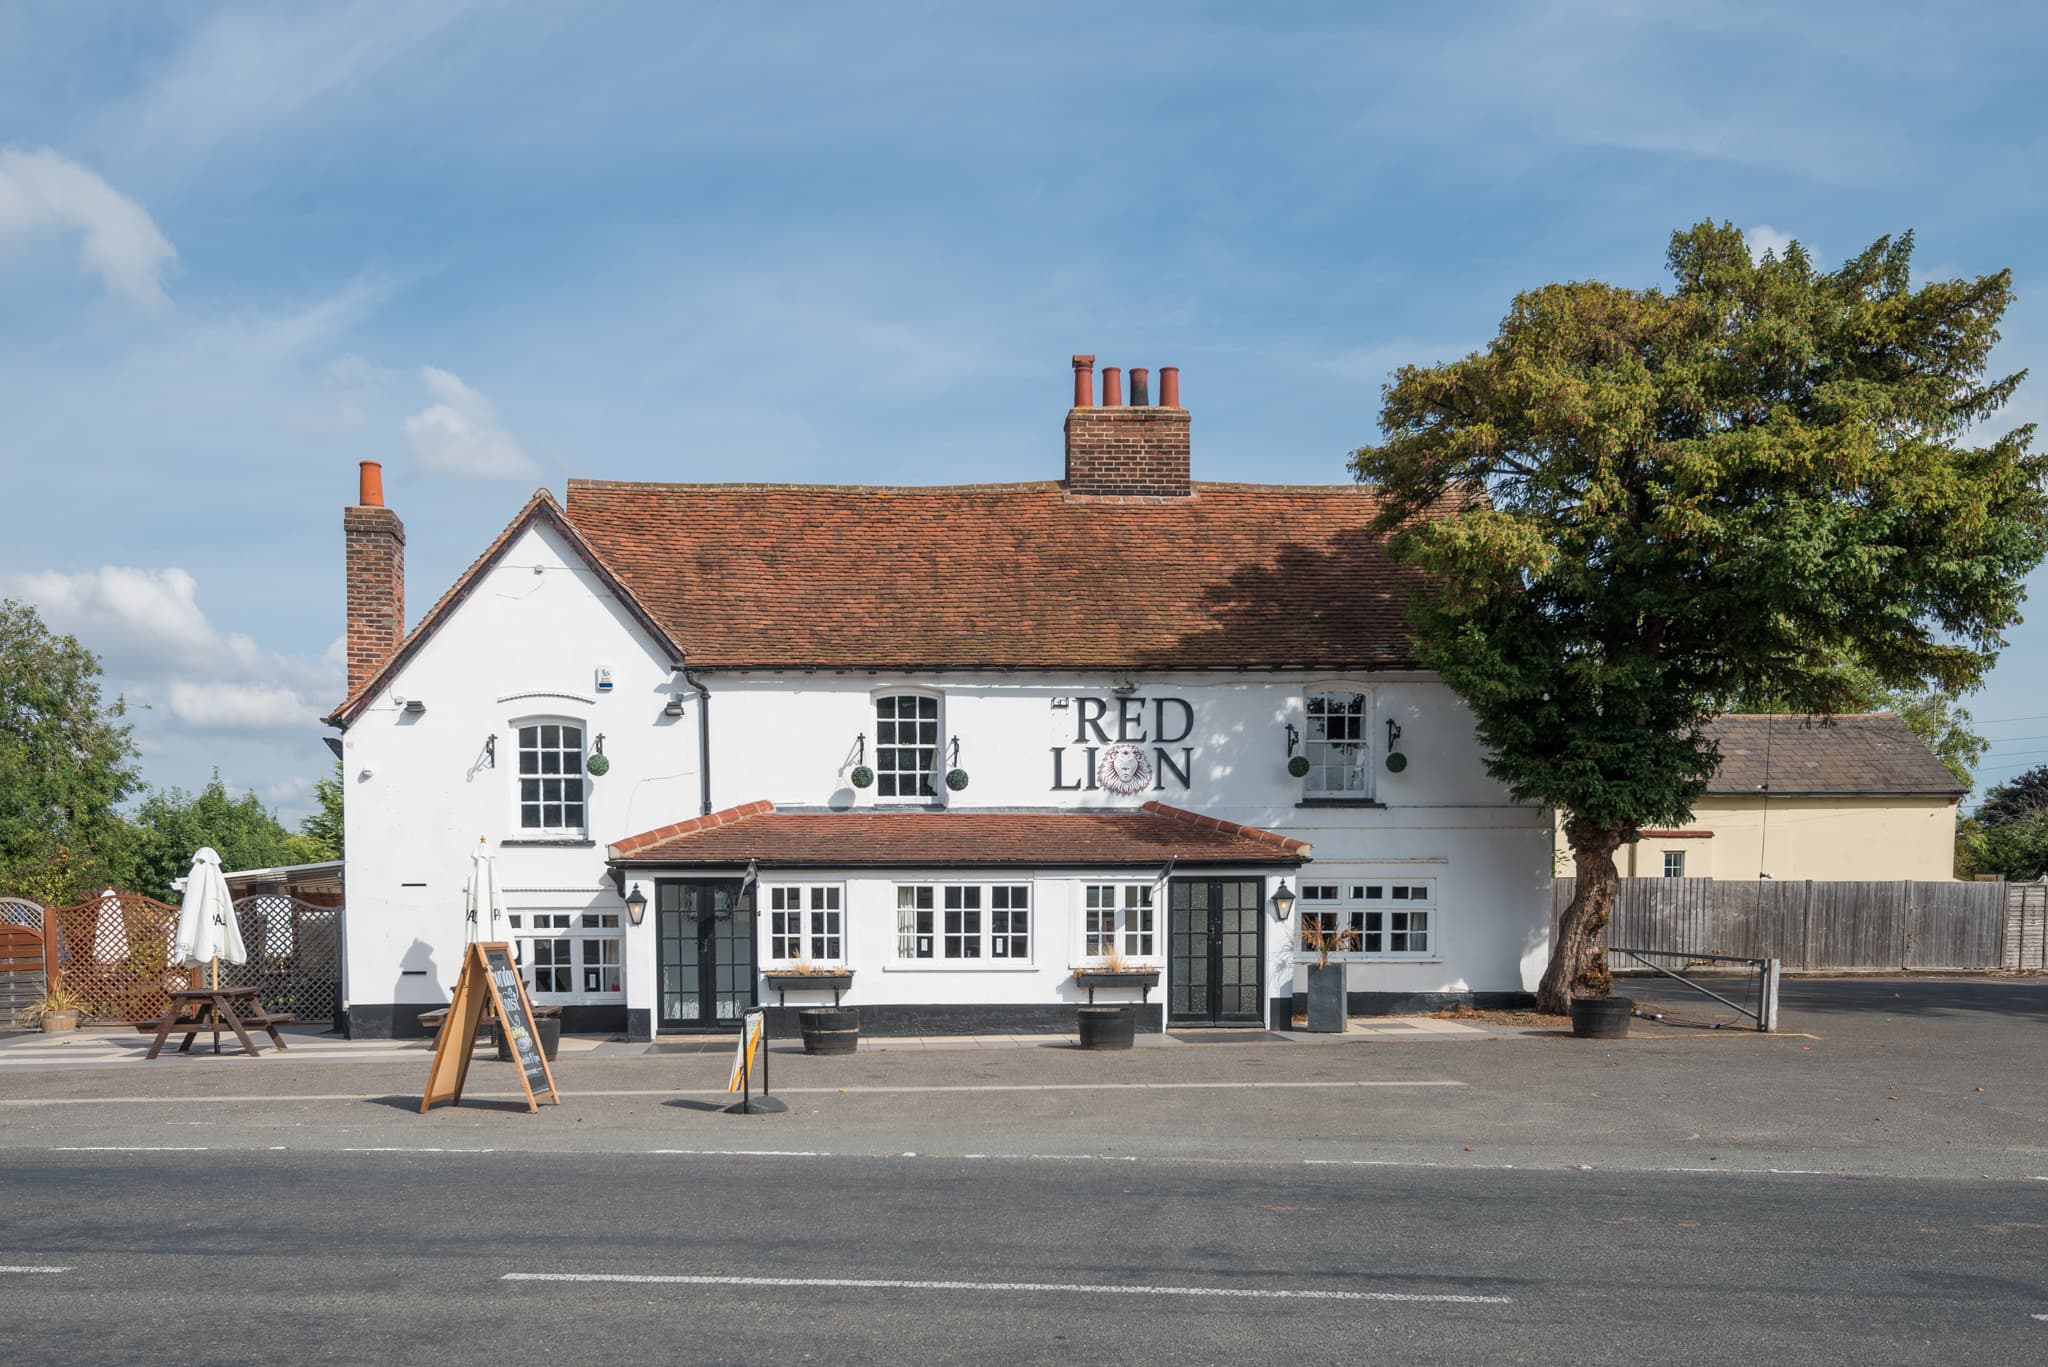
point(418, 798)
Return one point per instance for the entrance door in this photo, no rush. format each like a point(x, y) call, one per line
point(1215, 951)
point(706, 953)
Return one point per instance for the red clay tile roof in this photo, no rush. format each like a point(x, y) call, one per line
point(1102, 837)
point(1004, 575)
point(1869, 754)
point(540, 508)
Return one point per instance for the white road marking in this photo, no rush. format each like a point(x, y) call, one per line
point(412, 1148)
point(1073, 1288)
point(129, 1148)
point(66, 1269)
point(746, 1153)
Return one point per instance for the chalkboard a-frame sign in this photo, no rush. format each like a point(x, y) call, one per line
point(488, 974)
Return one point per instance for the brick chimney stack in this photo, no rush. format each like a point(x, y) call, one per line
point(1135, 450)
point(376, 577)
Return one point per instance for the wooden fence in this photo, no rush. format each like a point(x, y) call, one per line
point(1822, 926)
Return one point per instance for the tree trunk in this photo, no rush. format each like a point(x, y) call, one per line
point(1578, 965)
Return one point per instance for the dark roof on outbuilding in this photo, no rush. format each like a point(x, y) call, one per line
point(1867, 754)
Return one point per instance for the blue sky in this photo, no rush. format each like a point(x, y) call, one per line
point(495, 246)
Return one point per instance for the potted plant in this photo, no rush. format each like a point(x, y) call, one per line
point(1327, 1009)
point(58, 1010)
point(1602, 1017)
point(1111, 970)
point(805, 976)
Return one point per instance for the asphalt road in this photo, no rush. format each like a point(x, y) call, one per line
point(405, 1257)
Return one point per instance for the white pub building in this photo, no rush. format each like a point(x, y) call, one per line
point(959, 757)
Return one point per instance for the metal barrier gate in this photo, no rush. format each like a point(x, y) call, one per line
point(1765, 1013)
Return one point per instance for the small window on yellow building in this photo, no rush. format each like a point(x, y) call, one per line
point(1674, 863)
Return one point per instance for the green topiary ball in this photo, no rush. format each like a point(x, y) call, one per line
point(863, 777)
point(597, 764)
point(1396, 761)
point(956, 779)
point(1298, 766)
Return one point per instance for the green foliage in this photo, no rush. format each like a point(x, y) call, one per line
point(2016, 850)
point(171, 825)
point(1638, 507)
point(1671, 501)
point(2016, 799)
point(1934, 715)
point(321, 831)
point(66, 761)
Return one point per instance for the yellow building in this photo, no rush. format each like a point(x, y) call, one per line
point(1856, 798)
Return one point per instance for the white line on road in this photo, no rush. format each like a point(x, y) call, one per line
point(746, 1153)
point(1075, 1288)
point(129, 1148)
point(34, 1269)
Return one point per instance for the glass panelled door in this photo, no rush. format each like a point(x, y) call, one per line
point(1215, 951)
point(706, 953)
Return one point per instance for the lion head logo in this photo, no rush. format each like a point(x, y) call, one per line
point(1124, 769)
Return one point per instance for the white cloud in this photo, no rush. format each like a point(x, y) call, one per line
point(43, 192)
point(239, 706)
point(461, 434)
point(1764, 238)
point(142, 620)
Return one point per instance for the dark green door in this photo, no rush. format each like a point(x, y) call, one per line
point(706, 953)
point(1215, 951)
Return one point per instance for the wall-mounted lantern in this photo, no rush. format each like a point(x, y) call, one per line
point(636, 905)
point(1283, 902)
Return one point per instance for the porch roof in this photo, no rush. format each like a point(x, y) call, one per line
point(1120, 837)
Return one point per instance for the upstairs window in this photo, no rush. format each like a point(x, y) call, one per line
point(906, 745)
point(551, 777)
point(1334, 741)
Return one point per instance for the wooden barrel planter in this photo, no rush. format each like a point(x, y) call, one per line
point(1108, 1027)
point(1601, 1017)
point(829, 1029)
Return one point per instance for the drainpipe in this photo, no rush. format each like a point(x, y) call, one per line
point(703, 736)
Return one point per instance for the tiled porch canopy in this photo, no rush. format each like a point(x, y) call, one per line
point(1115, 837)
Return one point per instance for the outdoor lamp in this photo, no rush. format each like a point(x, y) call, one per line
point(636, 904)
point(1283, 901)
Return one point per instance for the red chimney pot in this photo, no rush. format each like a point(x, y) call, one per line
point(1169, 386)
point(370, 485)
point(1084, 382)
point(1112, 386)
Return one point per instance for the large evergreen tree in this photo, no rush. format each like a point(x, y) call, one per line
point(1637, 507)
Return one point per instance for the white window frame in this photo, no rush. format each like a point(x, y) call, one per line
point(519, 777)
point(1386, 916)
point(573, 931)
point(1669, 856)
point(934, 785)
point(1128, 896)
point(991, 948)
point(821, 919)
point(1318, 768)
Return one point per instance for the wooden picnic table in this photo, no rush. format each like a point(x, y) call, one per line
point(196, 1011)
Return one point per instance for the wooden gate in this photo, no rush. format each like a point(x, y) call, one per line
point(22, 972)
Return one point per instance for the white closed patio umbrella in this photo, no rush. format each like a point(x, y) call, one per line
point(207, 929)
point(110, 929)
point(482, 905)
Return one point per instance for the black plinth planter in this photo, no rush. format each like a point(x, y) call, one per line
point(550, 1028)
point(1326, 1007)
point(1108, 1027)
point(829, 1029)
point(1601, 1017)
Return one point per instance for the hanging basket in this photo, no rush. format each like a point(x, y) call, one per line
point(862, 776)
point(1298, 766)
point(1396, 762)
point(597, 764)
point(956, 779)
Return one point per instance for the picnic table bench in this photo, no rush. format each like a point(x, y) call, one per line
point(197, 1011)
